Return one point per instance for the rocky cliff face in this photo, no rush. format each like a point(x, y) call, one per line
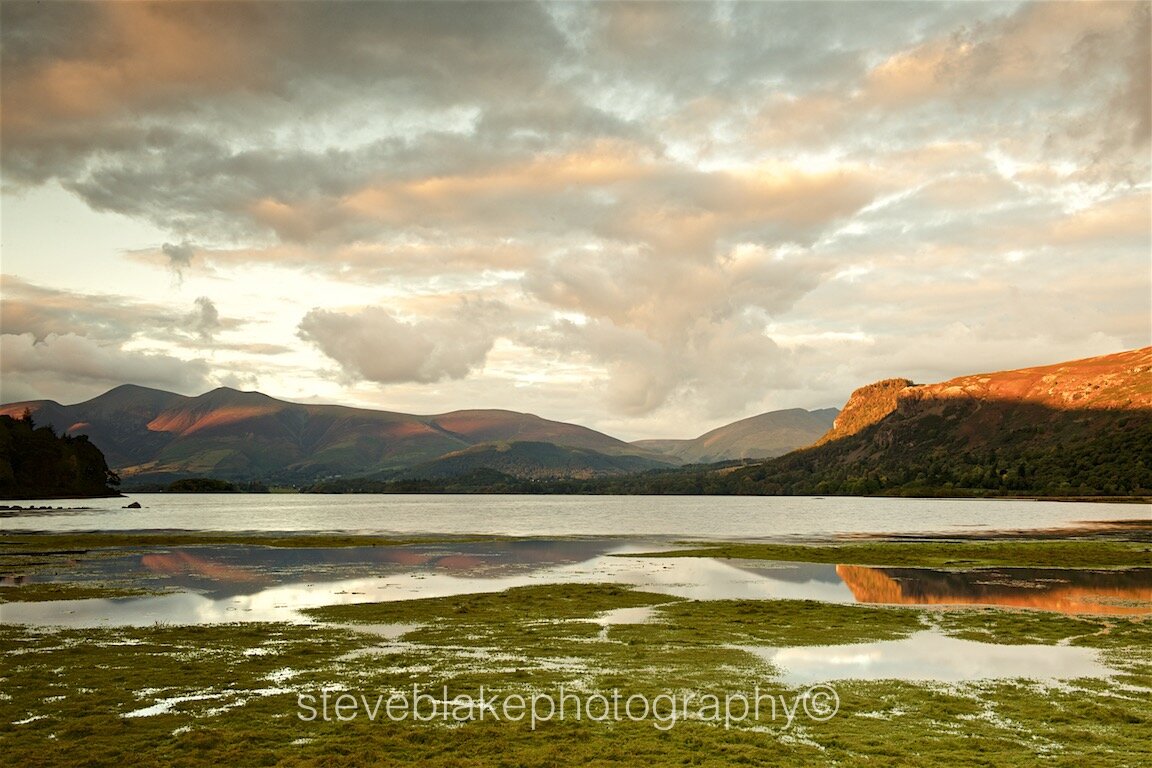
point(1109, 382)
point(1112, 382)
point(865, 407)
point(1082, 427)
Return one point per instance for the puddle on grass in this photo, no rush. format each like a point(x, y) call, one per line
point(164, 706)
point(386, 631)
point(641, 614)
point(931, 656)
point(242, 583)
point(238, 583)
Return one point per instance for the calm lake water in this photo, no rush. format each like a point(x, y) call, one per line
point(697, 517)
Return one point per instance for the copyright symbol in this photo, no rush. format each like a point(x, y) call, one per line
point(821, 702)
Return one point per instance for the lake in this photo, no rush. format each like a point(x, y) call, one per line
point(696, 517)
point(580, 539)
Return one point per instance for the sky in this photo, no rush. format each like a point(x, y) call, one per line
point(647, 218)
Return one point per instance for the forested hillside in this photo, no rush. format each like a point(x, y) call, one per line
point(36, 463)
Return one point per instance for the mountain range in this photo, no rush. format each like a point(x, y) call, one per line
point(152, 436)
point(1077, 428)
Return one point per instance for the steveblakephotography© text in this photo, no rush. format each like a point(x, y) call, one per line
point(815, 704)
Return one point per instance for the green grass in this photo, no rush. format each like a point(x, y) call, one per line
point(79, 683)
point(66, 590)
point(16, 543)
point(69, 689)
point(553, 601)
point(1019, 553)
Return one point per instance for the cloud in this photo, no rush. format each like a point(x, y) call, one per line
point(205, 319)
point(107, 318)
point(41, 311)
point(63, 344)
point(72, 72)
point(179, 257)
point(689, 208)
point(669, 329)
point(1079, 72)
point(372, 344)
point(88, 366)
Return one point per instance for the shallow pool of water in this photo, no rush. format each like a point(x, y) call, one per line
point(222, 584)
point(214, 584)
point(930, 655)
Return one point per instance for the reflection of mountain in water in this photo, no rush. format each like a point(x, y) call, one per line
point(184, 563)
point(234, 570)
point(1064, 591)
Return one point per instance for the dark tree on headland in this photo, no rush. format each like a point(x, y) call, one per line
point(36, 463)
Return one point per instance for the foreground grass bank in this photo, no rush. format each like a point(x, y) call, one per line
point(232, 694)
point(267, 694)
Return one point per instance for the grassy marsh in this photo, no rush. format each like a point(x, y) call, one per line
point(33, 543)
point(67, 590)
point(228, 693)
point(1030, 553)
point(66, 693)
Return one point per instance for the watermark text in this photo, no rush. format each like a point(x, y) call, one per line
point(818, 703)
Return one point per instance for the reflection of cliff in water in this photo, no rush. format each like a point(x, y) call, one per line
point(1049, 589)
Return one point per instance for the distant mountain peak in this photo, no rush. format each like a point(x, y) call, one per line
point(757, 437)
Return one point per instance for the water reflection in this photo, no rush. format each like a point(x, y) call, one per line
point(213, 584)
point(930, 655)
point(182, 563)
point(226, 584)
point(1050, 589)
